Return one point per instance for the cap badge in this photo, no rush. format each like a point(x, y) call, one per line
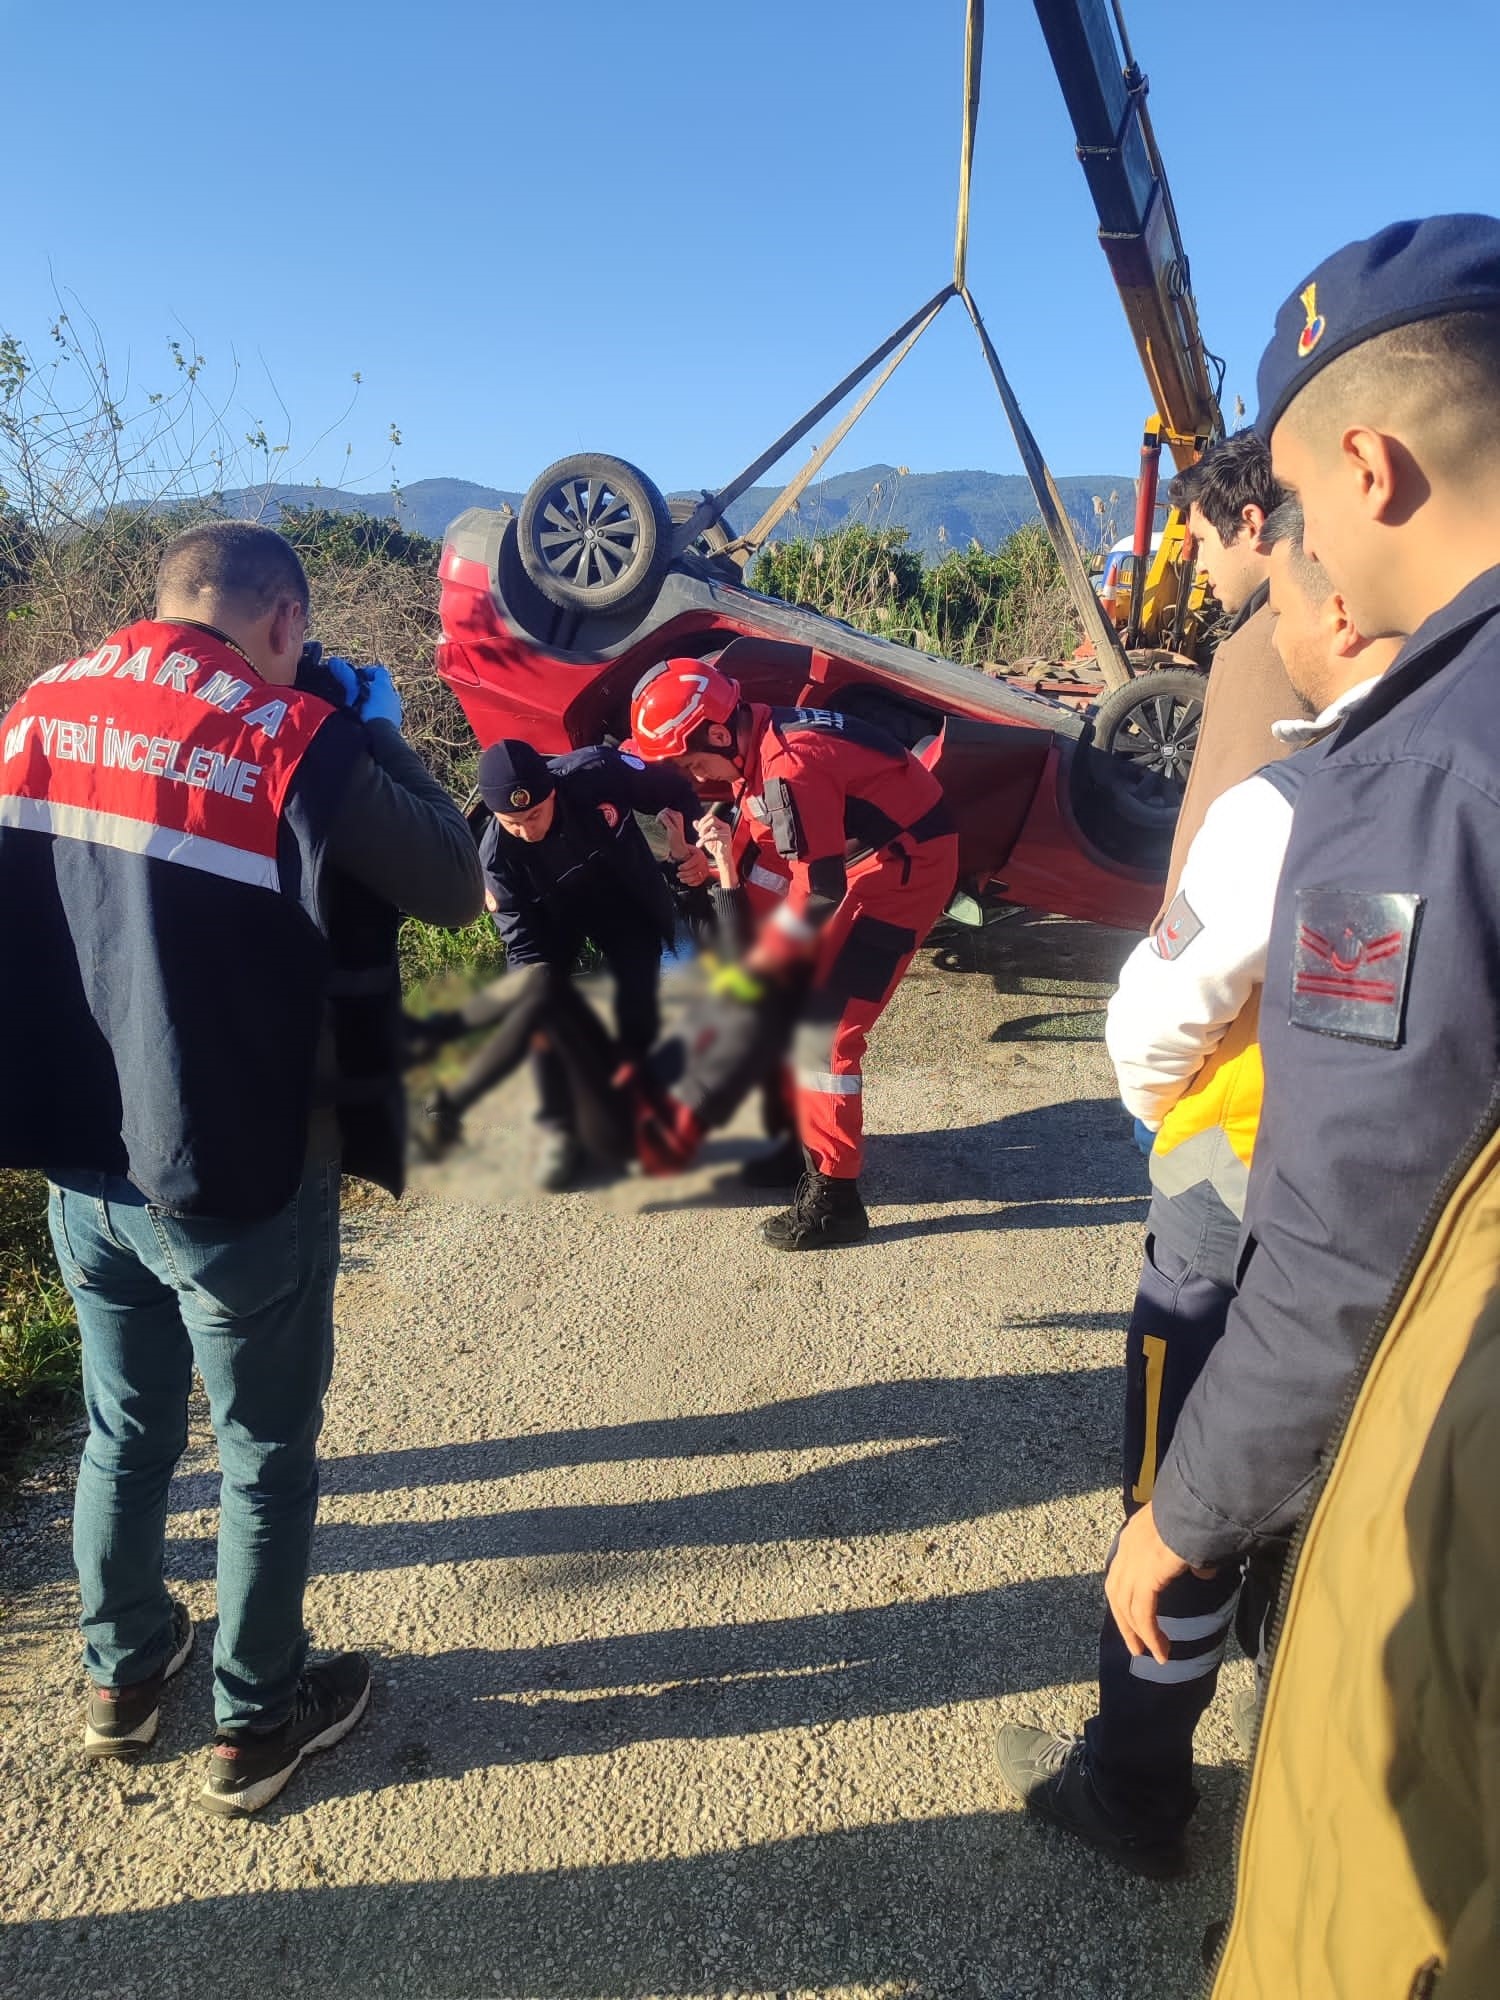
point(1313, 332)
point(520, 798)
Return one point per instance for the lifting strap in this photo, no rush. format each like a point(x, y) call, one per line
point(1097, 627)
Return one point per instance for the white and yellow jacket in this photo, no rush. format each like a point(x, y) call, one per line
point(1182, 1028)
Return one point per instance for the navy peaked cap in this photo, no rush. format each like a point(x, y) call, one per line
point(1408, 271)
point(513, 777)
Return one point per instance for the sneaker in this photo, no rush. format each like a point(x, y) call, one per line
point(558, 1161)
point(1049, 1775)
point(436, 1128)
point(250, 1766)
point(783, 1166)
point(824, 1214)
point(121, 1721)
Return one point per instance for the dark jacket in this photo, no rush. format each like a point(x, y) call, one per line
point(595, 858)
point(1380, 1025)
point(168, 853)
point(397, 847)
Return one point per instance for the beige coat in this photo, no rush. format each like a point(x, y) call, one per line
point(1369, 1865)
point(1247, 691)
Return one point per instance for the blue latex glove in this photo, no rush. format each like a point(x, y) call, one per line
point(346, 677)
point(1145, 1138)
point(369, 691)
point(378, 699)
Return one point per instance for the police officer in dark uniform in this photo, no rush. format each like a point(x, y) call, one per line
point(1380, 398)
point(566, 863)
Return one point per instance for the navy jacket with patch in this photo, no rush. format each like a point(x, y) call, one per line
point(595, 856)
point(1380, 1026)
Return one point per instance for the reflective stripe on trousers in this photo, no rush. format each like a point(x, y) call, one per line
point(892, 902)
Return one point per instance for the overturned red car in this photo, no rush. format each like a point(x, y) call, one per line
point(551, 616)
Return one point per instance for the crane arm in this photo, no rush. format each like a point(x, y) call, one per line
point(1105, 93)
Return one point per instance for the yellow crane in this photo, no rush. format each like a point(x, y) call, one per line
point(1165, 610)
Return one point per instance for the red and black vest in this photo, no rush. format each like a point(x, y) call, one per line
point(163, 817)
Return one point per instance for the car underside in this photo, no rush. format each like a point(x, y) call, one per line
point(1045, 819)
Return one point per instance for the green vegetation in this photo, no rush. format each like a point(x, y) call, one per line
point(94, 482)
point(428, 953)
point(976, 605)
point(38, 1338)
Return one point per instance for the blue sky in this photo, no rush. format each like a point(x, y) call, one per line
point(664, 228)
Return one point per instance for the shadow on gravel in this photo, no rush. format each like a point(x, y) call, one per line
point(1030, 952)
point(1056, 1166)
point(474, 1708)
point(972, 1446)
point(970, 1906)
point(1068, 1156)
point(1071, 969)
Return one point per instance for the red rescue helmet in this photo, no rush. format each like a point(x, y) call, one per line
point(675, 701)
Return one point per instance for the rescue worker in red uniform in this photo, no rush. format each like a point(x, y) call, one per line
point(857, 828)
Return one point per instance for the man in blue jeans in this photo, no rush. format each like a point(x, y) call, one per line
point(210, 835)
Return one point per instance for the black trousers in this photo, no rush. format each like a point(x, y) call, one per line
point(1140, 1744)
point(633, 954)
point(631, 950)
point(723, 1051)
point(536, 1002)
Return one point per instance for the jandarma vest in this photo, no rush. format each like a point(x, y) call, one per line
point(163, 814)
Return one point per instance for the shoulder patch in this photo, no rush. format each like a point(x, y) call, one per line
point(1351, 961)
point(635, 763)
point(1177, 928)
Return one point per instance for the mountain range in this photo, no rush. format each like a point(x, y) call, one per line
point(939, 510)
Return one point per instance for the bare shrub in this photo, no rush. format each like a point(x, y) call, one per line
point(97, 476)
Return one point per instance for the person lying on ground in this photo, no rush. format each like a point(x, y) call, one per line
point(654, 1109)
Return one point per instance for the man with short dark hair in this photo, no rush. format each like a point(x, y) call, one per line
point(1380, 396)
point(1226, 497)
point(235, 561)
point(208, 836)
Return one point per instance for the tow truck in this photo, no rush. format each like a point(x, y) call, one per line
point(551, 614)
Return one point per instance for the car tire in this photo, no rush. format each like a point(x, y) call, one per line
point(594, 533)
point(1153, 722)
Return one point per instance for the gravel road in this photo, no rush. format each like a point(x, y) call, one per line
point(697, 1580)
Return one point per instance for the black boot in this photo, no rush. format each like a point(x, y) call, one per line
point(1049, 1774)
point(783, 1166)
point(824, 1214)
point(437, 1127)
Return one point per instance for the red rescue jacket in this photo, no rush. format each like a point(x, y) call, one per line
point(163, 814)
point(822, 793)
